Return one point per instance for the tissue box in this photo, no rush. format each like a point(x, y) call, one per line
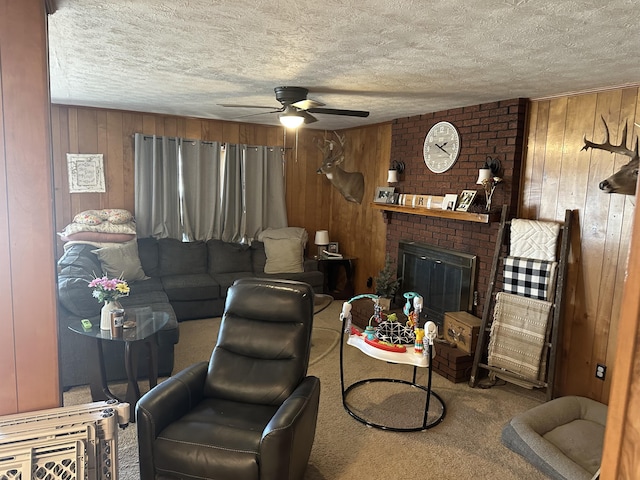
point(462, 329)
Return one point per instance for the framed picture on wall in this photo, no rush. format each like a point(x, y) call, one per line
point(86, 173)
point(466, 200)
point(384, 194)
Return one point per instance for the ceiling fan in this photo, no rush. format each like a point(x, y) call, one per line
point(297, 108)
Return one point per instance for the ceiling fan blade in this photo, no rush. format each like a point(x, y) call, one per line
point(233, 105)
point(307, 104)
point(260, 113)
point(308, 118)
point(335, 111)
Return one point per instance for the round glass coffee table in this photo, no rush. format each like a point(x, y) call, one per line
point(142, 333)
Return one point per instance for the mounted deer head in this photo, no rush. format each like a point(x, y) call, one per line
point(349, 184)
point(624, 180)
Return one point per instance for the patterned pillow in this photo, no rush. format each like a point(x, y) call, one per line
point(117, 216)
point(88, 217)
point(104, 227)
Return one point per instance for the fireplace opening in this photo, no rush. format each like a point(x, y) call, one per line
point(444, 278)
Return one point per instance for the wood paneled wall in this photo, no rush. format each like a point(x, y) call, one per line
point(28, 347)
point(558, 175)
point(316, 204)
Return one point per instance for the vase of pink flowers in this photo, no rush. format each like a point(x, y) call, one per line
point(108, 291)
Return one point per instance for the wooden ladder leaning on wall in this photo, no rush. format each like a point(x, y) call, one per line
point(556, 312)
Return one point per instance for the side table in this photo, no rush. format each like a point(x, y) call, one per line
point(334, 270)
point(143, 334)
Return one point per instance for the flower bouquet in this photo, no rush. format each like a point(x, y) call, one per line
point(108, 290)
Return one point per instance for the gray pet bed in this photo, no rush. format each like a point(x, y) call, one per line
point(562, 438)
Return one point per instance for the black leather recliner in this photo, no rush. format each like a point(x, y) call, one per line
point(250, 413)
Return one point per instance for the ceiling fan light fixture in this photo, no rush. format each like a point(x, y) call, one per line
point(290, 118)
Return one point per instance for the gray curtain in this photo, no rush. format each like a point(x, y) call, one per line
point(201, 164)
point(232, 209)
point(264, 190)
point(157, 196)
point(193, 190)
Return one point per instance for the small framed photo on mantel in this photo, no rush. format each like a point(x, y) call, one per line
point(466, 200)
point(450, 201)
point(384, 195)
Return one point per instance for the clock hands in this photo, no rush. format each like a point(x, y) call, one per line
point(441, 147)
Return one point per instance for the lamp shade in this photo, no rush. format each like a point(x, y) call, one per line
point(484, 174)
point(392, 176)
point(290, 118)
point(322, 237)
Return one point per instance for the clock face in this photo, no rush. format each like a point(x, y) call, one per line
point(441, 147)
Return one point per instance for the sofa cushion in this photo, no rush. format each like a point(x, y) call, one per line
point(198, 286)
point(226, 280)
point(148, 253)
point(225, 257)
point(180, 258)
point(77, 267)
point(258, 256)
point(121, 261)
point(284, 255)
point(147, 286)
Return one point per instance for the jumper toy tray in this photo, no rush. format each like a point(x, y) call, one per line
point(386, 346)
point(408, 357)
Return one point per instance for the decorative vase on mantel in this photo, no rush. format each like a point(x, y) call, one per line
point(105, 313)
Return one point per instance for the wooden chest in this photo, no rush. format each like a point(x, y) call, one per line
point(462, 329)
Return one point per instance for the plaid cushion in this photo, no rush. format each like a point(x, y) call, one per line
point(528, 277)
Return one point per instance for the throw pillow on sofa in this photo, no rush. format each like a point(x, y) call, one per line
point(285, 232)
point(121, 261)
point(285, 255)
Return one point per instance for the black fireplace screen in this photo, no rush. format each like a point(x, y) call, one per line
point(444, 278)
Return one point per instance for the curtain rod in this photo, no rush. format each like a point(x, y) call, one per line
point(208, 142)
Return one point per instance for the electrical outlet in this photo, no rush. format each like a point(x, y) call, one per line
point(601, 371)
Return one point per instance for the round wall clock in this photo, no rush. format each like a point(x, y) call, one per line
point(441, 147)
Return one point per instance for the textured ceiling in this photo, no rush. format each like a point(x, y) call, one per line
point(394, 58)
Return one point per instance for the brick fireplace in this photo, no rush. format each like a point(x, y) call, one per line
point(494, 129)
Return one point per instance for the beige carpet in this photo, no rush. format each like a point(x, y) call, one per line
point(466, 445)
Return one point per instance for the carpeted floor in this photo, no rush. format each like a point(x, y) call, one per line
point(466, 445)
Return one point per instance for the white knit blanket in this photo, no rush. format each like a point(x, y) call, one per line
point(534, 239)
point(518, 335)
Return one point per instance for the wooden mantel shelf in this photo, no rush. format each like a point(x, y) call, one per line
point(432, 212)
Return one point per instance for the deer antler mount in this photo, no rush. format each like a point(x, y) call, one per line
point(624, 180)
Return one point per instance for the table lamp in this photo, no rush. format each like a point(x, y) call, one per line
point(322, 241)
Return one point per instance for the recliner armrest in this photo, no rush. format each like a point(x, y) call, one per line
point(162, 405)
point(288, 437)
